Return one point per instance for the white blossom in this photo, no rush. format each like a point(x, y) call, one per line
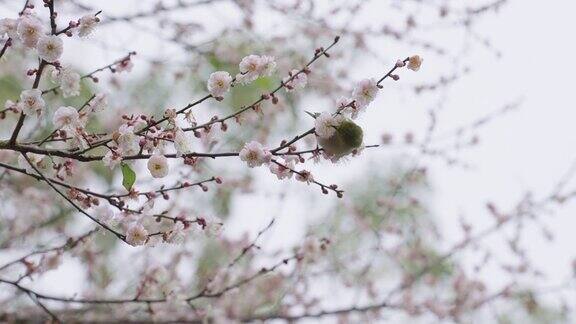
point(171, 115)
point(305, 176)
point(250, 68)
point(267, 65)
point(254, 66)
point(106, 215)
point(343, 102)
point(66, 117)
point(87, 24)
point(30, 30)
point(155, 143)
point(365, 92)
point(158, 166)
point(111, 159)
point(41, 162)
point(325, 124)
point(177, 234)
point(214, 226)
point(128, 142)
point(69, 81)
point(182, 143)
point(136, 234)
point(254, 154)
point(9, 104)
point(9, 27)
point(78, 139)
point(414, 63)
point(124, 66)
point(282, 170)
point(31, 101)
point(50, 48)
point(99, 103)
point(219, 83)
point(343, 106)
point(295, 80)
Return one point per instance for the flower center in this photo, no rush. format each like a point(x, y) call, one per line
point(252, 155)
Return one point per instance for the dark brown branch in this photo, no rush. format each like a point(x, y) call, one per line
point(70, 243)
point(119, 235)
point(204, 293)
point(22, 117)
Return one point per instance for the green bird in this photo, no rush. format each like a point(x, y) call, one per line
point(347, 138)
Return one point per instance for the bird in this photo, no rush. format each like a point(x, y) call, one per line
point(347, 137)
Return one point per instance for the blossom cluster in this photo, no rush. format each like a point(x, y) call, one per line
point(254, 66)
point(141, 137)
point(251, 68)
point(255, 155)
point(137, 233)
point(365, 91)
point(29, 30)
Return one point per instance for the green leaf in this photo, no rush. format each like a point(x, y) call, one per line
point(128, 175)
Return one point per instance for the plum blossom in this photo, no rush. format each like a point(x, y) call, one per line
point(219, 83)
point(267, 65)
point(136, 234)
point(11, 105)
point(68, 80)
point(41, 162)
point(325, 124)
point(50, 48)
point(414, 63)
point(365, 92)
point(305, 176)
point(128, 142)
point(31, 102)
point(158, 166)
point(99, 103)
point(254, 66)
point(250, 68)
point(154, 142)
point(111, 159)
point(87, 24)
point(106, 215)
point(124, 66)
point(171, 115)
point(282, 170)
point(343, 104)
point(66, 117)
point(182, 143)
point(9, 27)
point(166, 283)
point(177, 234)
point(213, 226)
point(30, 30)
point(254, 154)
point(295, 80)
